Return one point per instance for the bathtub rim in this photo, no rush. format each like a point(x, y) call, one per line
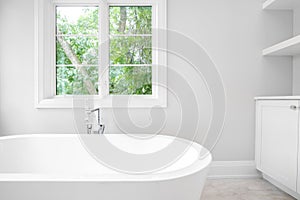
point(196, 167)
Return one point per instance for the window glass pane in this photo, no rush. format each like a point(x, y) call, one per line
point(76, 50)
point(61, 57)
point(77, 47)
point(77, 20)
point(76, 81)
point(130, 20)
point(130, 80)
point(131, 50)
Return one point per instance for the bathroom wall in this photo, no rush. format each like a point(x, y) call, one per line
point(296, 75)
point(296, 65)
point(233, 32)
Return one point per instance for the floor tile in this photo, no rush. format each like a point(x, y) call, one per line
point(242, 189)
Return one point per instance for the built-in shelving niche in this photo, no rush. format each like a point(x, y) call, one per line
point(290, 47)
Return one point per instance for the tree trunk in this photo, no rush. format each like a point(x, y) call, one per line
point(75, 61)
point(123, 19)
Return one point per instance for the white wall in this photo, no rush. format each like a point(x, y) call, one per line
point(296, 65)
point(234, 32)
point(296, 75)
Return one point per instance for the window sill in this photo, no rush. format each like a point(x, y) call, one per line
point(126, 101)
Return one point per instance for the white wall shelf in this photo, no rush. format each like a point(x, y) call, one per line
point(290, 47)
point(281, 4)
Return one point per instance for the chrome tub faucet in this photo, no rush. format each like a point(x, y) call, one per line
point(101, 127)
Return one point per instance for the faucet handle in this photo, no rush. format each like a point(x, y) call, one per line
point(89, 128)
point(101, 128)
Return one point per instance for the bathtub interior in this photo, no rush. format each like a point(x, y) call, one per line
point(58, 155)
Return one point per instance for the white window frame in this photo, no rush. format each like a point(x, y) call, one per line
point(45, 70)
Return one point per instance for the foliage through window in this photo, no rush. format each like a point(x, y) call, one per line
point(78, 50)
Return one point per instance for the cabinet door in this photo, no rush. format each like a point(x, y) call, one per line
point(278, 129)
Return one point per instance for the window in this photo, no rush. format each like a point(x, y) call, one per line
point(104, 50)
point(130, 50)
point(76, 49)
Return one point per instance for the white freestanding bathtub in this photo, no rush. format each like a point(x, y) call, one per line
point(58, 167)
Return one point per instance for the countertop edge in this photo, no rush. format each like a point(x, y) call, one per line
point(277, 98)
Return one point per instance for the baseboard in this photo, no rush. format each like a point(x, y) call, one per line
point(233, 169)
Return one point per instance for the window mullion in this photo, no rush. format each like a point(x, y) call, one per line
point(104, 49)
point(131, 35)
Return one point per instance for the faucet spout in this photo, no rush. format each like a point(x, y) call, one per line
point(98, 114)
point(101, 127)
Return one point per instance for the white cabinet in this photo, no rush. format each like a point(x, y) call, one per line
point(277, 140)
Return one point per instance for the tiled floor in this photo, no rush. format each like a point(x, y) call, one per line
point(242, 189)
